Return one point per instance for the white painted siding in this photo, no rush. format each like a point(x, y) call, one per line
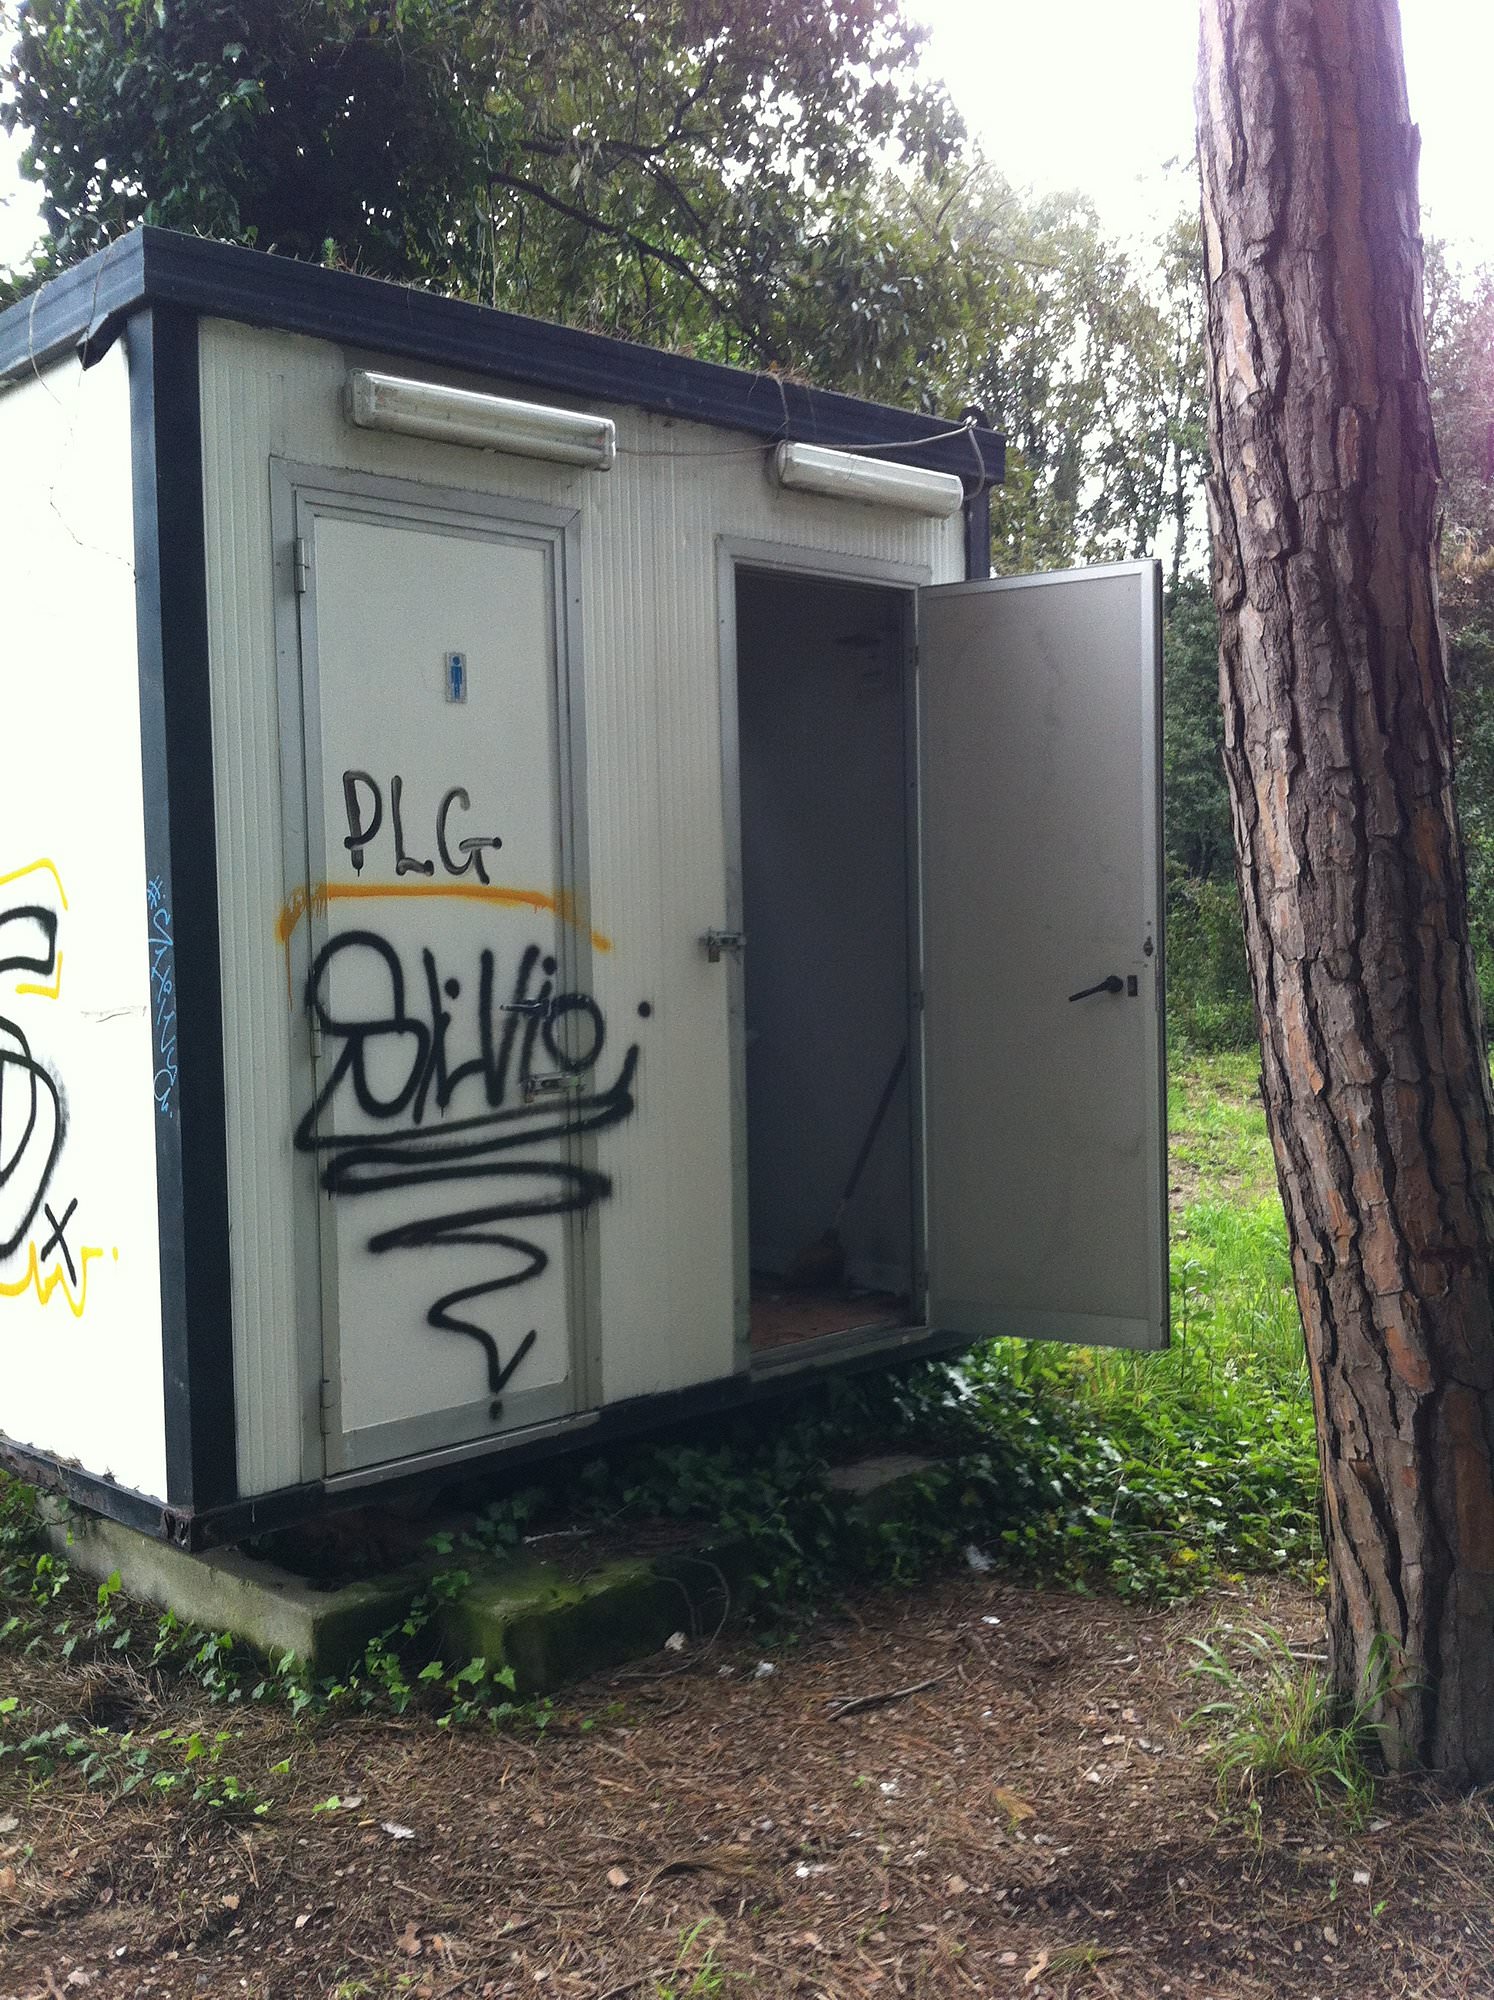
point(80, 1355)
point(649, 532)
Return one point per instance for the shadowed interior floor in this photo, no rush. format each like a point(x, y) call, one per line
point(781, 1316)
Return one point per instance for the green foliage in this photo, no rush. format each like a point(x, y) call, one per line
point(1277, 1726)
point(187, 1763)
point(1460, 357)
point(1200, 845)
point(1144, 1474)
point(1149, 1478)
point(759, 1487)
point(1209, 1005)
point(1219, 1153)
point(691, 172)
point(693, 1977)
point(756, 181)
point(1088, 357)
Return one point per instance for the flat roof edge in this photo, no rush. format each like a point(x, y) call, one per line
point(82, 309)
point(70, 311)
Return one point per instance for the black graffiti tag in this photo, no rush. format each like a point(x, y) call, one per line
point(57, 1240)
point(363, 801)
point(394, 1064)
point(33, 1116)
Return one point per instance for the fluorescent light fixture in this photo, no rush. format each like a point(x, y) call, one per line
point(467, 416)
point(846, 475)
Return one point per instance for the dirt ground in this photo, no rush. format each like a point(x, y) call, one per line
point(1033, 1820)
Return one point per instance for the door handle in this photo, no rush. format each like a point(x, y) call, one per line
point(1114, 984)
point(716, 942)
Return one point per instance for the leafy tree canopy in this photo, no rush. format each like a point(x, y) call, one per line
point(687, 170)
point(768, 182)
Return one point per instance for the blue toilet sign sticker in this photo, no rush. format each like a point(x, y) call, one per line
point(456, 676)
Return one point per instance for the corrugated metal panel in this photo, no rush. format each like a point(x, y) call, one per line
point(649, 533)
point(239, 406)
point(80, 1311)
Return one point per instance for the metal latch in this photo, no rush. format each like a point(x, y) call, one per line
point(550, 1083)
point(716, 942)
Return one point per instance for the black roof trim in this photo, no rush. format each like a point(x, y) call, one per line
point(86, 305)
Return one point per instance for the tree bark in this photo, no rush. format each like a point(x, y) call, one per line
point(1338, 753)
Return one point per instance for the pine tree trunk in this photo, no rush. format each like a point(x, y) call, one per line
point(1323, 497)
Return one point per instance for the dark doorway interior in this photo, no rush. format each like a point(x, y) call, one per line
point(824, 771)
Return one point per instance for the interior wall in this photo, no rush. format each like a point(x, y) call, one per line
point(825, 891)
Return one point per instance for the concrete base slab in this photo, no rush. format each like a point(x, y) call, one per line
point(224, 1590)
point(551, 1629)
point(549, 1624)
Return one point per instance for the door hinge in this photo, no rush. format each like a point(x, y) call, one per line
point(301, 565)
point(325, 1411)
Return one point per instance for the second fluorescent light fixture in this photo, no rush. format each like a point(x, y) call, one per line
point(492, 423)
point(845, 475)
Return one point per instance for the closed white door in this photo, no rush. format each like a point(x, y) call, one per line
point(458, 1061)
point(1039, 702)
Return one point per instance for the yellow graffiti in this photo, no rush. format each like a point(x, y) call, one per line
point(32, 868)
point(47, 1284)
point(55, 1278)
point(317, 899)
point(46, 992)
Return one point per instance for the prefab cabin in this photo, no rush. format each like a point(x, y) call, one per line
point(500, 829)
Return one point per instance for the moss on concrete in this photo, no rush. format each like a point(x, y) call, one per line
point(552, 1629)
point(549, 1625)
point(225, 1590)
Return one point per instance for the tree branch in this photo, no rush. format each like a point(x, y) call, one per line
point(618, 231)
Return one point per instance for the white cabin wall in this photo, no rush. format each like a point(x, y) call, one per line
point(650, 644)
point(80, 1362)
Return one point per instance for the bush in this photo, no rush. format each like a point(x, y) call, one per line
point(1209, 1005)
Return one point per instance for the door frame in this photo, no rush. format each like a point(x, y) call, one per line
point(293, 487)
point(905, 580)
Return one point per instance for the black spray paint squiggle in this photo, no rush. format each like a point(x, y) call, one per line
point(414, 1143)
point(42, 1118)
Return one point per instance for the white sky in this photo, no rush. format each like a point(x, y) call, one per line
point(1098, 95)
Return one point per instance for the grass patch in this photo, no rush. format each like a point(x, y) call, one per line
point(1278, 1727)
point(1218, 1149)
point(1148, 1474)
point(1163, 1470)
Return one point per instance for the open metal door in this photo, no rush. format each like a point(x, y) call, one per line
point(1045, 1077)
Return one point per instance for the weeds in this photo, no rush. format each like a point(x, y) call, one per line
point(188, 1762)
point(1278, 1726)
point(686, 1982)
point(1147, 1475)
